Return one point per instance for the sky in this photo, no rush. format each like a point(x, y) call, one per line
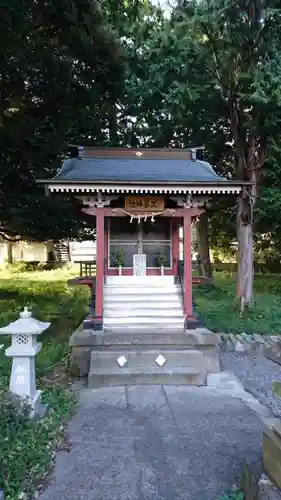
point(163, 3)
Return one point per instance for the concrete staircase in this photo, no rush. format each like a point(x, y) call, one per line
point(134, 366)
point(142, 302)
point(144, 341)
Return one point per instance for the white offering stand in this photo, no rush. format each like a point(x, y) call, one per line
point(23, 350)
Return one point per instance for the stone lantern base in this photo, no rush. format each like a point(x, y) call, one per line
point(38, 409)
point(23, 383)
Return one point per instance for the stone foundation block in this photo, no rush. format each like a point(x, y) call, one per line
point(81, 344)
point(211, 359)
point(80, 361)
point(84, 342)
point(202, 337)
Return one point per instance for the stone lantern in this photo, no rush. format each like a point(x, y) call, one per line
point(23, 350)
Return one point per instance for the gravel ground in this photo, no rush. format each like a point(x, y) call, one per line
point(257, 373)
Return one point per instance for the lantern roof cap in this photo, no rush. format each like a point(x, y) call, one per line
point(25, 324)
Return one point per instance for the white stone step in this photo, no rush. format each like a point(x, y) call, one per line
point(163, 300)
point(141, 290)
point(140, 286)
point(134, 280)
point(142, 333)
point(112, 305)
point(143, 320)
point(121, 299)
point(142, 313)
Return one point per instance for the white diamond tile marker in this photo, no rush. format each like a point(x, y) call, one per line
point(1, 346)
point(121, 361)
point(160, 360)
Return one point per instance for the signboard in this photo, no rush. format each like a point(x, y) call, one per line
point(139, 263)
point(144, 204)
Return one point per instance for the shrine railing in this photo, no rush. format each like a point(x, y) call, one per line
point(87, 267)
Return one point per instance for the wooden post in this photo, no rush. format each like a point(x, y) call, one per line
point(100, 262)
point(187, 264)
point(175, 245)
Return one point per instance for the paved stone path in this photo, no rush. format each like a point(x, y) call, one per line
point(160, 443)
point(256, 373)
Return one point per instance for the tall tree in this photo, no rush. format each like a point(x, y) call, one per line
point(238, 45)
point(59, 66)
point(209, 75)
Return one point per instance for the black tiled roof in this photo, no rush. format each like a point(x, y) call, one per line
point(136, 170)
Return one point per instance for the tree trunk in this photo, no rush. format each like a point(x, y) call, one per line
point(113, 127)
point(245, 272)
point(51, 252)
point(203, 246)
point(10, 252)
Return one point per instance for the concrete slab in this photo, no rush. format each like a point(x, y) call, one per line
point(163, 442)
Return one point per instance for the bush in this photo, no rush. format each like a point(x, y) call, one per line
point(14, 413)
point(23, 266)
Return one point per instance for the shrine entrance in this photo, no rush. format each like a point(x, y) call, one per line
point(127, 238)
point(141, 295)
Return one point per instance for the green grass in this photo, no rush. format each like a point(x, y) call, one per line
point(26, 448)
point(218, 308)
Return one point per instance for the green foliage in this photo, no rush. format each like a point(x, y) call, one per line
point(60, 66)
point(268, 211)
point(159, 106)
point(209, 75)
point(276, 388)
point(161, 259)
point(239, 48)
point(117, 258)
point(265, 318)
point(27, 447)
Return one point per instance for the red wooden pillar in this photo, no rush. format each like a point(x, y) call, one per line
point(175, 245)
point(187, 265)
point(106, 263)
point(100, 247)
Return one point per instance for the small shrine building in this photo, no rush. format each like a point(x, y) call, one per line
point(140, 198)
